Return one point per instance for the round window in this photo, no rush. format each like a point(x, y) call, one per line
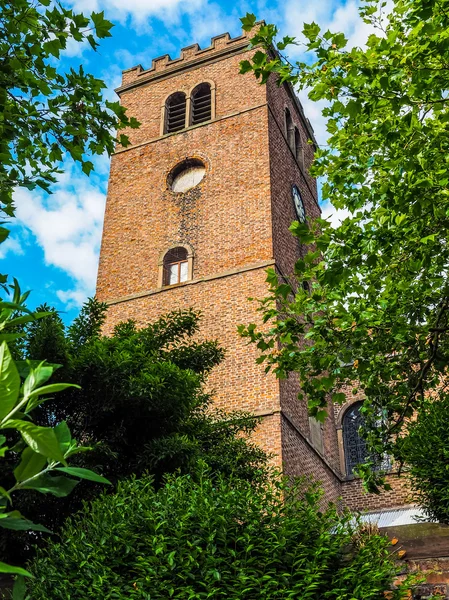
point(186, 175)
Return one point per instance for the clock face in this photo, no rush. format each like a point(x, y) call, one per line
point(299, 205)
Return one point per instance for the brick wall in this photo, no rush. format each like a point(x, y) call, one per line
point(238, 383)
point(286, 172)
point(356, 498)
point(300, 459)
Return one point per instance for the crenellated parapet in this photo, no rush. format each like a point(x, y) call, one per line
point(164, 65)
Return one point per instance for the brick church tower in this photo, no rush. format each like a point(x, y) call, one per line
point(198, 207)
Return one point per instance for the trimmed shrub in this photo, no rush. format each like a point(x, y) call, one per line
point(217, 539)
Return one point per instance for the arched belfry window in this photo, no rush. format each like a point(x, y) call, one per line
point(354, 445)
point(175, 265)
point(175, 112)
point(201, 104)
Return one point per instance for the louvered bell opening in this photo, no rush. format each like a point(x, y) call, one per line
point(176, 113)
point(201, 105)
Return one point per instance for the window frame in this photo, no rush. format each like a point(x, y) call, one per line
point(166, 113)
point(192, 95)
point(384, 462)
point(188, 113)
point(162, 264)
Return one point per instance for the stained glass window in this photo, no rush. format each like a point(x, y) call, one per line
point(355, 448)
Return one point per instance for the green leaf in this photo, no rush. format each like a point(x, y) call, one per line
point(83, 474)
point(311, 31)
point(9, 382)
point(245, 67)
point(339, 398)
point(102, 26)
point(3, 234)
point(4, 493)
point(26, 366)
point(36, 375)
point(4, 568)
point(248, 21)
point(52, 389)
point(63, 436)
point(57, 486)
point(19, 589)
point(22, 524)
point(87, 167)
point(42, 440)
point(31, 464)
point(27, 318)
point(10, 337)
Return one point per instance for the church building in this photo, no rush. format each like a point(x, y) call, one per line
point(198, 208)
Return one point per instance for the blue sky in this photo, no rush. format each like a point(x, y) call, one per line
point(54, 243)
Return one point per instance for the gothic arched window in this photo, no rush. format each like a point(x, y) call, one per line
point(175, 112)
point(176, 266)
point(354, 445)
point(299, 148)
point(201, 103)
point(290, 130)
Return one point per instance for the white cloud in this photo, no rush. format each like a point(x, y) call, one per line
point(210, 21)
point(11, 246)
point(67, 225)
point(74, 48)
point(138, 10)
point(334, 215)
point(72, 298)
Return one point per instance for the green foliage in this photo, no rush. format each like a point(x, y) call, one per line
point(45, 338)
point(141, 406)
point(425, 449)
point(377, 317)
point(46, 114)
point(36, 452)
point(214, 538)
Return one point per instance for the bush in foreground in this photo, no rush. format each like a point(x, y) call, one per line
point(214, 538)
point(142, 405)
point(425, 451)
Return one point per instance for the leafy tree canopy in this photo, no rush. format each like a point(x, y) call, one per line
point(46, 114)
point(215, 538)
point(142, 405)
point(377, 317)
point(32, 457)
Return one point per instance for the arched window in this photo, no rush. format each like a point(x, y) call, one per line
point(201, 104)
point(176, 266)
point(354, 445)
point(290, 130)
point(299, 148)
point(175, 112)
